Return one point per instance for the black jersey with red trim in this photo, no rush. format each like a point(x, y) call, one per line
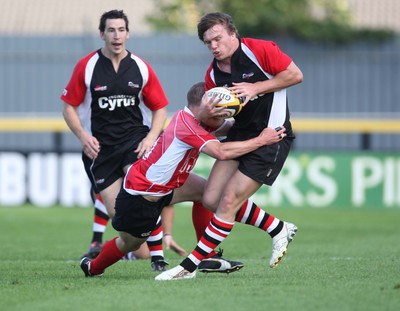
point(255, 60)
point(110, 103)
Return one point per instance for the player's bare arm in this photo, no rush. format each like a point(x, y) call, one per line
point(234, 149)
point(90, 145)
point(157, 124)
point(290, 76)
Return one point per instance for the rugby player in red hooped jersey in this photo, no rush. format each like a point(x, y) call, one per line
point(163, 176)
point(104, 107)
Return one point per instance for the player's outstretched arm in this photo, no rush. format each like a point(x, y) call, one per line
point(231, 150)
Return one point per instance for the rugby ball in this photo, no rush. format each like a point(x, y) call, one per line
point(231, 103)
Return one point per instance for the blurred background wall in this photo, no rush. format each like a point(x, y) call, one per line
point(42, 40)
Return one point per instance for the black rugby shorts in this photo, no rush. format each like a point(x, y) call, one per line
point(264, 164)
point(136, 215)
point(108, 166)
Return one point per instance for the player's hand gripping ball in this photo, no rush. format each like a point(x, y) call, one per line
point(228, 99)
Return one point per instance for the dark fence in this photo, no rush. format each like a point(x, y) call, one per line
point(359, 81)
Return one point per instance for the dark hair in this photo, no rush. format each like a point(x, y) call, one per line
point(218, 18)
point(195, 94)
point(113, 14)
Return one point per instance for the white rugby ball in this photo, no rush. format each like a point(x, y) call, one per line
point(228, 100)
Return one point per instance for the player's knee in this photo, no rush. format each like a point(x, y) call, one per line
point(210, 203)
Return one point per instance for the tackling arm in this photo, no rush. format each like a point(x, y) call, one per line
point(231, 150)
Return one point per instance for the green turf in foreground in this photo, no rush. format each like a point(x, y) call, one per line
point(340, 260)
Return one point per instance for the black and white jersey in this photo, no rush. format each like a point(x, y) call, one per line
point(111, 105)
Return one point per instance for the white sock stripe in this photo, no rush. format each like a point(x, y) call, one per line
point(204, 247)
point(260, 217)
point(225, 222)
point(214, 235)
point(152, 238)
point(157, 253)
point(194, 259)
point(273, 225)
point(99, 228)
point(247, 212)
point(100, 206)
point(223, 232)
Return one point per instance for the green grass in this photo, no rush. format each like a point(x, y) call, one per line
point(340, 260)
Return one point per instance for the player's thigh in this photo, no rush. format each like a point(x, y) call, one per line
point(109, 195)
point(192, 190)
point(129, 242)
point(143, 252)
point(220, 175)
point(239, 188)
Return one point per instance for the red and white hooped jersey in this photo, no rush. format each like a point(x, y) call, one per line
point(109, 102)
point(167, 165)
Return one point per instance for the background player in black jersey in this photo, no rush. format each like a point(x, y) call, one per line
point(260, 72)
point(104, 107)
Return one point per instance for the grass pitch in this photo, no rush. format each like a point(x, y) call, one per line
point(339, 260)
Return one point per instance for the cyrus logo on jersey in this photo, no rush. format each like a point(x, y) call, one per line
point(112, 103)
